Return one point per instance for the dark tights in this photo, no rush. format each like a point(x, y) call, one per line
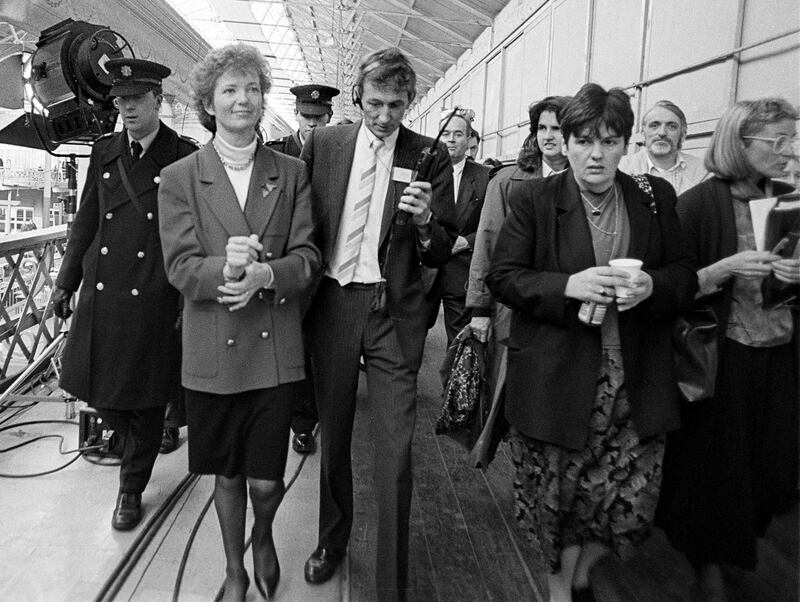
point(230, 501)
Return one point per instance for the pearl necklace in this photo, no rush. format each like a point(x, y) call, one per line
point(233, 165)
point(598, 209)
point(616, 215)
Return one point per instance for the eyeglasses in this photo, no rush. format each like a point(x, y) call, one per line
point(781, 145)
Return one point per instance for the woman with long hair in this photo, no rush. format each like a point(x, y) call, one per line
point(235, 223)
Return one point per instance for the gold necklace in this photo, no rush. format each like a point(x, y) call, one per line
point(232, 164)
point(598, 209)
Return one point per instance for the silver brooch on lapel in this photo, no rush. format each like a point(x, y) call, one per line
point(266, 189)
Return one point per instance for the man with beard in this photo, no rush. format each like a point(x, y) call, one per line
point(664, 127)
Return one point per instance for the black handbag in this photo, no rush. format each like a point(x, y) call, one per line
point(464, 376)
point(694, 339)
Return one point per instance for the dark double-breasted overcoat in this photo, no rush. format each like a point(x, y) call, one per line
point(123, 348)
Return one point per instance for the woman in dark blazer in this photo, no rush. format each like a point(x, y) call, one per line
point(235, 222)
point(734, 464)
point(590, 405)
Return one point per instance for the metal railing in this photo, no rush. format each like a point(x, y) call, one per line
point(30, 261)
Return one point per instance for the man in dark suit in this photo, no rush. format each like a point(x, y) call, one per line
point(313, 108)
point(469, 181)
point(123, 351)
point(376, 224)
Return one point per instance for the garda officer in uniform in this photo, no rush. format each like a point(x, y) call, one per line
point(123, 349)
point(313, 108)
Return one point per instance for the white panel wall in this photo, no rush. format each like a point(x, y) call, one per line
point(537, 48)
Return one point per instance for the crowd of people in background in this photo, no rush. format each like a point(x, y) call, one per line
point(264, 278)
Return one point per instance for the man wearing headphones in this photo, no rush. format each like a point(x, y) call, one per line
point(313, 109)
point(376, 220)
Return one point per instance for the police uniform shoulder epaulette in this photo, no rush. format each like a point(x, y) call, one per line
point(189, 140)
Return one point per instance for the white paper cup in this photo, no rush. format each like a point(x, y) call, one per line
point(630, 265)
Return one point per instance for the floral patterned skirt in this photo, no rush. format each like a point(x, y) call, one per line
point(607, 492)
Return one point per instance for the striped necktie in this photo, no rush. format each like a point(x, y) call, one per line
point(355, 236)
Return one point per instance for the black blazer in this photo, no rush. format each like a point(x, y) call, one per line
point(454, 275)
point(706, 214)
point(553, 358)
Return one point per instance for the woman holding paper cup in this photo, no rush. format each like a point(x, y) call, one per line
point(590, 405)
point(735, 463)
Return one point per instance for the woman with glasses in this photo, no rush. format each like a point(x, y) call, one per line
point(734, 464)
point(236, 231)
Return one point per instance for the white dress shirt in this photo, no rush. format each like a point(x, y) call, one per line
point(367, 269)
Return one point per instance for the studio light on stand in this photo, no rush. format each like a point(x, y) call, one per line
point(67, 90)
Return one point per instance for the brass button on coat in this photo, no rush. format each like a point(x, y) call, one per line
point(135, 292)
point(230, 342)
point(265, 334)
point(99, 286)
point(104, 251)
point(140, 254)
point(109, 215)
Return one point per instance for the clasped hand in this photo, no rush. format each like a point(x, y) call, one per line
point(416, 201)
point(244, 275)
point(600, 285)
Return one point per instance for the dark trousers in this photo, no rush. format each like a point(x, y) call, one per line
point(175, 414)
point(343, 330)
point(140, 435)
point(456, 315)
point(304, 413)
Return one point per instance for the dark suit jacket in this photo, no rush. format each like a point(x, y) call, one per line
point(260, 345)
point(123, 351)
point(553, 358)
point(471, 192)
point(706, 213)
point(288, 145)
point(328, 153)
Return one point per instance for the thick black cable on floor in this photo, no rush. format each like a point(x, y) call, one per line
point(79, 451)
point(190, 542)
point(121, 572)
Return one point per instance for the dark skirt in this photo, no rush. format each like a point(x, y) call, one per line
point(242, 433)
point(606, 492)
point(734, 464)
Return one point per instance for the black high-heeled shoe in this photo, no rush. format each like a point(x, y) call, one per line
point(266, 578)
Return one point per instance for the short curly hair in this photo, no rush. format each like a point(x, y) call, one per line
point(233, 57)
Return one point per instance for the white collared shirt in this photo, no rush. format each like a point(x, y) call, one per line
point(145, 142)
point(458, 171)
point(367, 269)
point(687, 172)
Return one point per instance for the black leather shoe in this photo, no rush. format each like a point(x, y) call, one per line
point(170, 440)
point(128, 512)
point(322, 564)
point(304, 443)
